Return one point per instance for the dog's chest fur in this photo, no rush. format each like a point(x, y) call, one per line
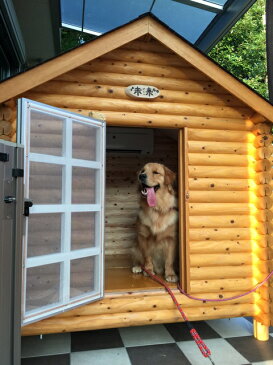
point(156, 221)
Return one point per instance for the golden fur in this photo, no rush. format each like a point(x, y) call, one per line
point(157, 246)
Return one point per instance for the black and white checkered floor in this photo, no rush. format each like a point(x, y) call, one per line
point(230, 341)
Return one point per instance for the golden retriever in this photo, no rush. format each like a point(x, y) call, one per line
point(156, 247)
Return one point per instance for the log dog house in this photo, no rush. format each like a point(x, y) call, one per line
point(210, 128)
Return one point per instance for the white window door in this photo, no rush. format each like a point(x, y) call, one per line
point(63, 238)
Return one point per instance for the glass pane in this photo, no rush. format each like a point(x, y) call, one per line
point(188, 21)
point(72, 14)
point(83, 230)
point(84, 142)
point(83, 185)
point(104, 15)
point(44, 234)
point(45, 183)
point(43, 286)
point(46, 133)
point(82, 280)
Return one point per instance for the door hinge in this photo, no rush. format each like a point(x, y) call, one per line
point(4, 157)
point(17, 173)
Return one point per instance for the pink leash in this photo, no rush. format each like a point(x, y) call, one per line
point(200, 343)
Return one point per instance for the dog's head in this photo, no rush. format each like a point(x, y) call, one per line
point(153, 177)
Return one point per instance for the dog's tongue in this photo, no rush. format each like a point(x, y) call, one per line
point(151, 198)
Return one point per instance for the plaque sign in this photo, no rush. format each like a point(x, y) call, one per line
point(142, 91)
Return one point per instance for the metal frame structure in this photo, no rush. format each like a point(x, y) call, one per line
point(269, 48)
point(11, 207)
point(222, 23)
point(203, 4)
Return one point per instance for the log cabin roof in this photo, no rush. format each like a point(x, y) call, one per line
point(147, 25)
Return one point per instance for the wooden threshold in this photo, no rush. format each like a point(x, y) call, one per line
point(122, 279)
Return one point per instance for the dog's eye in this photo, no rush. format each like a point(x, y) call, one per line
point(155, 172)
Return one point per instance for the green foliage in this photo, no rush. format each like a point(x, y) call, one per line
point(71, 38)
point(243, 50)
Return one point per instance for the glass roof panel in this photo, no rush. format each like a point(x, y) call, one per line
point(71, 14)
point(188, 21)
point(192, 19)
point(104, 15)
point(220, 2)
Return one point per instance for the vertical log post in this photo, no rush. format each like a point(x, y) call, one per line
point(261, 331)
point(261, 320)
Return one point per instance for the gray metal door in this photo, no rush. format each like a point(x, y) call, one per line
point(11, 210)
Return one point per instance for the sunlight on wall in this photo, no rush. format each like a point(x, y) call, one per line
point(257, 236)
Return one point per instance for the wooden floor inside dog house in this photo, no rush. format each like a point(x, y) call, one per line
point(128, 149)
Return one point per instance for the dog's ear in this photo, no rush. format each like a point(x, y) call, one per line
point(169, 176)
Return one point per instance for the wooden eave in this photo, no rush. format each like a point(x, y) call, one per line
point(117, 38)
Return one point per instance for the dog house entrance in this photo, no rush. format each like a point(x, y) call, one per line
point(128, 149)
point(73, 243)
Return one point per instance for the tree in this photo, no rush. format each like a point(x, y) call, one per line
point(242, 51)
point(71, 38)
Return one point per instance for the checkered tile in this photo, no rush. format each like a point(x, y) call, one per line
point(230, 341)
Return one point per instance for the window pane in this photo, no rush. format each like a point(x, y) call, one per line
point(83, 185)
point(82, 278)
point(45, 183)
point(83, 230)
point(46, 133)
point(44, 234)
point(43, 286)
point(84, 142)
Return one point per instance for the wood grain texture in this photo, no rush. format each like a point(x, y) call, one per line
point(121, 105)
point(118, 92)
point(103, 321)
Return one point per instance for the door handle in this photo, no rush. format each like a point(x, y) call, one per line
point(27, 205)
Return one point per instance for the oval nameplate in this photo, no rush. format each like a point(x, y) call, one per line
point(142, 91)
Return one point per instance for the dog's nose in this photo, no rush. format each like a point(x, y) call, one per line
point(142, 177)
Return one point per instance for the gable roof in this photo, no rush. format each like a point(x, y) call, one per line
point(146, 25)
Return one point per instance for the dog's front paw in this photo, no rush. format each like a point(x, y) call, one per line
point(136, 269)
point(171, 278)
point(150, 269)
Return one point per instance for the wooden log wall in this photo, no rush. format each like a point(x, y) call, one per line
point(229, 211)
point(263, 131)
point(8, 122)
point(136, 309)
